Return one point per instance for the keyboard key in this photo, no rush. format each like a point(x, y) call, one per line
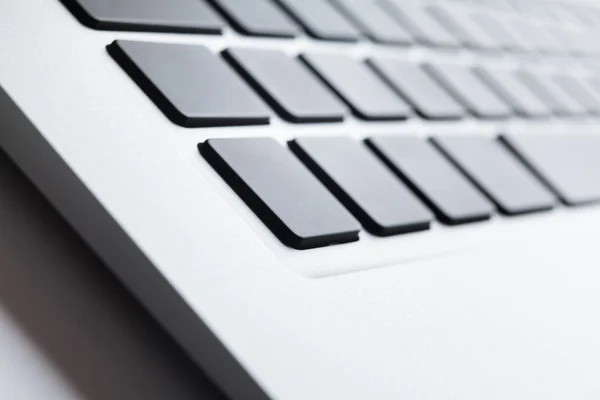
point(191, 85)
point(287, 85)
point(373, 21)
point(258, 18)
point(367, 94)
point(497, 31)
point(462, 83)
point(458, 23)
point(293, 204)
point(421, 25)
point(560, 102)
point(363, 184)
point(322, 20)
point(192, 16)
point(508, 87)
point(437, 182)
point(500, 175)
point(577, 89)
point(568, 164)
point(418, 88)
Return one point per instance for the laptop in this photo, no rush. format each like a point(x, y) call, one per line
point(330, 199)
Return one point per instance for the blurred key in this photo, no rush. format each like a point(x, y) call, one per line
point(462, 83)
point(438, 183)
point(293, 204)
point(258, 17)
point(568, 164)
point(287, 85)
point(374, 22)
point(559, 101)
point(192, 16)
point(418, 88)
point(365, 92)
point(379, 200)
point(498, 173)
point(458, 23)
point(497, 31)
point(321, 20)
point(420, 24)
point(506, 85)
point(577, 89)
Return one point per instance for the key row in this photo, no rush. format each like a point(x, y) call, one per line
point(323, 191)
point(197, 88)
point(381, 21)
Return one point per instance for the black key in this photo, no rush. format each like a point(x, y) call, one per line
point(288, 85)
point(192, 16)
point(420, 24)
point(322, 20)
point(500, 175)
point(437, 182)
point(459, 24)
point(258, 18)
point(367, 94)
point(506, 85)
point(462, 83)
point(560, 102)
point(577, 89)
point(497, 31)
point(191, 85)
point(568, 164)
point(281, 192)
point(418, 88)
point(373, 21)
point(363, 184)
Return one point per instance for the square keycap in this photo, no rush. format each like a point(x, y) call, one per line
point(509, 88)
point(496, 29)
point(258, 18)
point(418, 88)
point(283, 193)
point(192, 16)
point(190, 84)
point(462, 82)
point(288, 85)
point(420, 24)
point(568, 164)
point(548, 91)
point(457, 22)
point(379, 200)
point(322, 20)
point(374, 22)
point(438, 183)
point(365, 92)
point(498, 173)
point(580, 91)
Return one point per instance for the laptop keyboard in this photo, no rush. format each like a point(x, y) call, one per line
point(320, 191)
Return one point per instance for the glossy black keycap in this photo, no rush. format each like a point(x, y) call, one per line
point(510, 89)
point(498, 173)
point(559, 101)
point(190, 84)
point(373, 21)
point(438, 183)
point(462, 83)
point(378, 199)
point(192, 16)
point(258, 17)
point(366, 93)
point(458, 23)
point(577, 89)
point(420, 24)
point(418, 88)
point(288, 85)
point(293, 204)
point(568, 164)
point(322, 20)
